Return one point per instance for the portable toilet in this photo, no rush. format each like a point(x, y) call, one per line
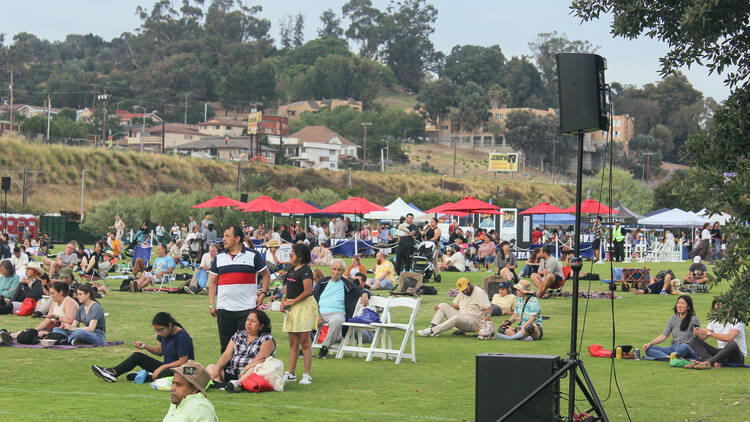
point(2, 223)
point(10, 224)
point(20, 222)
point(33, 225)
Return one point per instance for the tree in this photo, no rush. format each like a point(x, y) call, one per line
point(546, 46)
point(669, 193)
point(435, 97)
point(298, 35)
point(366, 26)
point(532, 134)
point(67, 112)
point(499, 97)
point(408, 47)
point(286, 28)
point(625, 188)
point(714, 34)
point(473, 63)
point(331, 25)
point(664, 138)
point(524, 82)
point(472, 106)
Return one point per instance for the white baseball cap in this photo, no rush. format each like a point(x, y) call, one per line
point(697, 259)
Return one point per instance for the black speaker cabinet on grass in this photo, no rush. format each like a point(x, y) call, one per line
point(503, 380)
point(583, 95)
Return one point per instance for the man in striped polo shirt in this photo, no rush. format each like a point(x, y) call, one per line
point(233, 284)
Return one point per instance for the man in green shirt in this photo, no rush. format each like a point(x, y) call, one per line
point(189, 402)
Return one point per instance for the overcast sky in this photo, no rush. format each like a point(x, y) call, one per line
point(510, 24)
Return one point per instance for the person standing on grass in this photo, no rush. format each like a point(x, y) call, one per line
point(189, 402)
point(680, 327)
point(300, 311)
point(174, 344)
point(233, 284)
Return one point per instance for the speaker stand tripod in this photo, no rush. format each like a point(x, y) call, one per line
point(572, 363)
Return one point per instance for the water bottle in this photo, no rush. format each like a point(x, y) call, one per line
point(673, 355)
point(618, 353)
point(637, 354)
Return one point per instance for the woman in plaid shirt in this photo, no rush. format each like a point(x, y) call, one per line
point(247, 348)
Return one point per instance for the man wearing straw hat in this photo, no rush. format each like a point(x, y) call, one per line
point(189, 402)
point(470, 307)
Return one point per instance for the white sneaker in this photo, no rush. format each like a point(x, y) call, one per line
point(288, 376)
point(425, 333)
point(306, 379)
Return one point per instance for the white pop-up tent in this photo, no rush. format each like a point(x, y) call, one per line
point(722, 218)
point(396, 210)
point(674, 218)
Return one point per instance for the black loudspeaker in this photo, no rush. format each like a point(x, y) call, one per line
point(6, 183)
point(243, 197)
point(503, 380)
point(583, 96)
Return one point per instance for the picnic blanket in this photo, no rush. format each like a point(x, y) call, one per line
point(66, 346)
point(164, 289)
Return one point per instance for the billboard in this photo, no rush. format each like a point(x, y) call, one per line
point(503, 161)
point(274, 125)
point(253, 121)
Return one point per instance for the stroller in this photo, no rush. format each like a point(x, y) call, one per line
point(423, 260)
point(191, 253)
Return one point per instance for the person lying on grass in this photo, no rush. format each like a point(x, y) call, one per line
point(680, 327)
point(730, 339)
point(664, 283)
point(527, 312)
point(174, 344)
point(91, 315)
point(246, 349)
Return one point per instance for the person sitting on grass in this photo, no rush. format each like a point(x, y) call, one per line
point(189, 402)
point(8, 279)
point(664, 283)
point(506, 262)
point(66, 258)
point(503, 301)
point(680, 327)
point(337, 297)
point(91, 315)
point(384, 274)
point(62, 311)
point(453, 260)
point(531, 266)
point(730, 339)
point(527, 312)
point(163, 266)
point(550, 274)
point(199, 281)
point(246, 349)
point(174, 344)
point(354, 268)
point(696, 272)
point(470, 307)
point(29, 287)
point(19, 260)
point(324, 256)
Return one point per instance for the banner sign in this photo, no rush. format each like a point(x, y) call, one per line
point(503, 162)
point(253, 121)
point(274, 125)
point(508, 223)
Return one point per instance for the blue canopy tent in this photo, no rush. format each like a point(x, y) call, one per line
point(553, 219)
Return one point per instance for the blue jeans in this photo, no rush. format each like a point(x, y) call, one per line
point(202, 278)
point(517, 336)
point(83, 336)
point(662, 353)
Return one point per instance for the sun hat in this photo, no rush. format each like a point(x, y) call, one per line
point(523, 286)
point(34, 265)
point(273, 243)
point(461, 283)
point(195, 374)
point(697, 259)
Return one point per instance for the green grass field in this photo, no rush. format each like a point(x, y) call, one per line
point(38, 384)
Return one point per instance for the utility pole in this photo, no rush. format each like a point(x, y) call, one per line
point(554, 168)
point(104, 97)
point(455, 141)
point(239, 173)
point(648, 156)
point(205, 111)
point(25, 185)
point(83, 187)
point(186, 95)
point(49, 115)
point(364, 148)
point(163, 127)
point(11, 99)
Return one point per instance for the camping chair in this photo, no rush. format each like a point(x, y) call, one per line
point(491, 285)
point(158, 286)
point(353, 339)
point(99, 272)
point(385, 329)
point(409, 283)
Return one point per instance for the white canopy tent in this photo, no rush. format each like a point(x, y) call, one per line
point(722, 218)
point(396, 210)
point(674, 218)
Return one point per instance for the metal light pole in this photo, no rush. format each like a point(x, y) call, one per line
point(364, 148)
point(83, 188)
point(143, 123)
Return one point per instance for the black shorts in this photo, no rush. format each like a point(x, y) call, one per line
point(596, 244)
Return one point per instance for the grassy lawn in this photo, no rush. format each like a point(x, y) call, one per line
point(58, 385)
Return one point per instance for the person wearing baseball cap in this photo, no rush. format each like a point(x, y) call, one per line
point(189, 402)
point(503, 301)
point(470, 307)
point(696, 272)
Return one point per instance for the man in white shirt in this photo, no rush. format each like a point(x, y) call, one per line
point(19, 261)
point(730, 339)
point(470, 307)
point(200, 278)
point(454, 261)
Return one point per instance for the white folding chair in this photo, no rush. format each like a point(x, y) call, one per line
point(352, 341)
point(385, 329)
point(318, 345)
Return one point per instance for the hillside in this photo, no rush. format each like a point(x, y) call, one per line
point(112, 173)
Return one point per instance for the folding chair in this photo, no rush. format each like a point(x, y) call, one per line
point(158, 286)
point(635, 278)
point(385, 329)
point(99, 272)
point(352, 341)
point(316, 343)
point(491, 285)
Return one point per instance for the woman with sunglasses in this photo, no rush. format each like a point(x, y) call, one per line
point(174, 344)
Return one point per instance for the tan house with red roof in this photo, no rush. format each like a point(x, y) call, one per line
point(294, 110)
point(315, 147)
point(219, 127)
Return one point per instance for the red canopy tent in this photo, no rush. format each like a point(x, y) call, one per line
point(353, 205)
point(591, 206)
point(264, 203)
point(219, 201)
point(298, 206)
point(472, 205)
point(440, 209)
point(543, 208)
